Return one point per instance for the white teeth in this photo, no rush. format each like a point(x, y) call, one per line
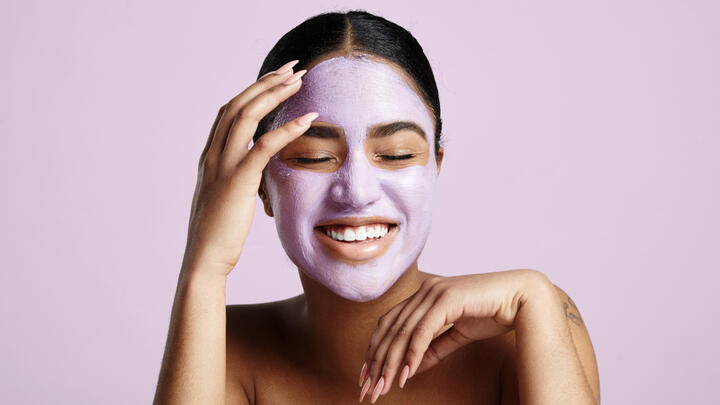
point(361, 234)
point(357, 233)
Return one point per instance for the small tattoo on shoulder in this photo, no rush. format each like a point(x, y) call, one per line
point(572, 312)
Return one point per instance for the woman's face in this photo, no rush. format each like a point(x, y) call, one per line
point(352, 197)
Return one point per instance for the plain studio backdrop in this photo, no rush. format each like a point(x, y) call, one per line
point(582, 140)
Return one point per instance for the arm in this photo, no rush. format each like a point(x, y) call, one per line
point(193, 367)
point(555, 359)
point(462, 309)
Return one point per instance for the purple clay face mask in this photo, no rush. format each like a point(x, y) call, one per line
point(354, 93)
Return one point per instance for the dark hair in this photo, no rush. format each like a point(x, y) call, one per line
point(354, 31)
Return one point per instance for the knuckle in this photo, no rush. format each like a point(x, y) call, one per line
point(446, 294)
point(403, 331)
point(377, 358)
point(436, 287)
point(422, 329)
point(391, 363)
point(431, 281)
point(208, 162)
point(231, 105)
point(413, 350)
point(374, 366)
point(249, 112)
point(262, 145)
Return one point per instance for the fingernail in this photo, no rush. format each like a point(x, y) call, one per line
point(377, 390)
point(404, 375)
point(307, 118)
point(362, 374)
point(365, 389)
point(284, 68)
point(295, 77)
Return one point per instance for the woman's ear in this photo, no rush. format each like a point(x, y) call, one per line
point(262, 192)
point(440, 154)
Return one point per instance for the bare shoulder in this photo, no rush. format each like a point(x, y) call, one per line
point(581, 340)
point(255, 336)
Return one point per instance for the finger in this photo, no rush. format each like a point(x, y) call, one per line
point(401, 310)
point(397, 342)
point(384, 324)
point(236, 103)
point(434, 320)
point(282, 69)
point(246, 122)
point(210, 136)
point(441, 347)
point(202, 175)
point(272, 142)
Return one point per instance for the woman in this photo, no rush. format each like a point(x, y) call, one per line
point(345, 157)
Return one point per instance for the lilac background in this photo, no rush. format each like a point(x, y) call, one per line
point(583, 141)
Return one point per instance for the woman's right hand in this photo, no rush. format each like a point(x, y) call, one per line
point(229, 174)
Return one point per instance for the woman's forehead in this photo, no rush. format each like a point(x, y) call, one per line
point(356, 93)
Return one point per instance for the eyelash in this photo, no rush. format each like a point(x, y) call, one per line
point(398, 157)
point(310, 160)
point(385, 157)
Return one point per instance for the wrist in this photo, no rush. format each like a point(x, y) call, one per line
point(204, 271)
point(538, 296)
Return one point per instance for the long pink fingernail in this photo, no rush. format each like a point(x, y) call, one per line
point(365, 389)
point(404, 375)
point(362, 374)
point(377, 390)
point(295, 77)
point(307, 118)
point(284, 68)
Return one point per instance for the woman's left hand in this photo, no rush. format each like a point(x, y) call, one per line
point(443, 315)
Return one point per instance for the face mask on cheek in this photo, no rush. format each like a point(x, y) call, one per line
point(353, 93)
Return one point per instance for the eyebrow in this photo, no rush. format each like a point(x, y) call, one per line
point(322, 132)
point(391, 128)
point(380, 131)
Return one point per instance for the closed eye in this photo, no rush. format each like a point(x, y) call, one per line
point(311, 160)
point(398, 157)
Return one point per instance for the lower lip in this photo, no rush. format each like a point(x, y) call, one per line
point(358, 251)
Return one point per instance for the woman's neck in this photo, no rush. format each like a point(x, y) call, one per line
point(340, 330)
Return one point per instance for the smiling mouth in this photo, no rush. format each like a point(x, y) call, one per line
point(357, 243)
point(357, 234)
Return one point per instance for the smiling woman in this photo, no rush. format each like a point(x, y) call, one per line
point(362, 103)
point(346, 161)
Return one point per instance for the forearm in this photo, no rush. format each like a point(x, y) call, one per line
point(549, 369)
point(193, 368)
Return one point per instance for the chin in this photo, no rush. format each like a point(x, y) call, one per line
point(358, 283)
point(361, 296)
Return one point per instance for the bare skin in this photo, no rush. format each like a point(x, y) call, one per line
point(318, 363)
point(310, 348)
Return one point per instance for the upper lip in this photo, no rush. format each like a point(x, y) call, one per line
point(357, 221)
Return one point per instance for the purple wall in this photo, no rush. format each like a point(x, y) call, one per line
point(588, 136)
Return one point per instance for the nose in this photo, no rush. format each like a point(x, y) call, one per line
point(356, 184)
